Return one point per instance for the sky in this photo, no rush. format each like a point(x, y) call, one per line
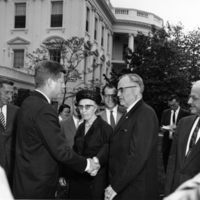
point(185, 11)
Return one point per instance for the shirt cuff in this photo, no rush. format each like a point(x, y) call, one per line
point(88, 165)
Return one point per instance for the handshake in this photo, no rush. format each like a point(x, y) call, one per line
point(94, 166)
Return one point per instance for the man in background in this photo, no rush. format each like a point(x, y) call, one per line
point(8, 126)
point(184, 158)
point(113, 111)
point(170, 117)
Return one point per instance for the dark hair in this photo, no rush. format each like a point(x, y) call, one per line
point(62, 107)
point(47, 69)
point(108, 85)
point(173, 96)
point(5, 81)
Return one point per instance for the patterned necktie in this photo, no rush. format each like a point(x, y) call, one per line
point(112, 120)
point(193, 139)
point(2, 119)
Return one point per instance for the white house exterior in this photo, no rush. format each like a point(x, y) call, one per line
point(26, 24)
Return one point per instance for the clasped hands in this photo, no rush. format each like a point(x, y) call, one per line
point(94, 166)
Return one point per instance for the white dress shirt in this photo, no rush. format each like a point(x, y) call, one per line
point(114, 114)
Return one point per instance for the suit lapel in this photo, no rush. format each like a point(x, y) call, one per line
point(179, 116)
point(127, 115)
point(119, 115)
point(196, 149)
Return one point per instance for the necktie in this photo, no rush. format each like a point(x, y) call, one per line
point(2, 119)
point(174, 117)
point(193, 139)
point(112, 120)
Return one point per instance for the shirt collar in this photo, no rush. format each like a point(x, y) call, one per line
point(114, 109)
point(131, 106)
point(43, 95)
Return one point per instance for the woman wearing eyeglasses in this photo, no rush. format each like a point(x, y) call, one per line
point(91, 141)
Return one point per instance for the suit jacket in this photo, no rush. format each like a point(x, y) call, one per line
point(69, 129)
point(133, 154)
point(120, 112)
point(165, 120)
point(179, 168)
point(7, 142)
point(94, 143)
point(40, 147)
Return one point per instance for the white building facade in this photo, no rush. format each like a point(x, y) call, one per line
point(27, 24)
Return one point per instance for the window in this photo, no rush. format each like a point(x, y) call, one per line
point(55, 55)
point(18, 58)
point(102, 36)
point(94, 69)
point(20, 15)
point(95, 28)
point(87, 19)
point(108, 43)
point(57, 14)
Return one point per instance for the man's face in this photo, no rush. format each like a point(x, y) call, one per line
point(6, 93)
point(127, 96)
point(58, 86)
point(75, 110)
point(110, 98)
point(194, 100)
point(173, 104)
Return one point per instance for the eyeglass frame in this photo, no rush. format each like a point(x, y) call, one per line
point(121, 89)
point(87, 107)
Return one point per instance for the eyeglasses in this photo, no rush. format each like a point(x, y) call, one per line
point(87, 107)
point(121, 89)
point(193, 98)
point(110, 96)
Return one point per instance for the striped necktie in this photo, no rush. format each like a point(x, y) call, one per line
point(2, 119)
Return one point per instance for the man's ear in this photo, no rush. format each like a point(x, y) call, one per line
point(49, 82)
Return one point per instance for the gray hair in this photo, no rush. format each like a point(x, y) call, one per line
point(135, 78)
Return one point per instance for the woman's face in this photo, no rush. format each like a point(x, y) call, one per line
point(87, 108)
point(65, 113)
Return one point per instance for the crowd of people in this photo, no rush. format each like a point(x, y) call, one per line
point(107, 155)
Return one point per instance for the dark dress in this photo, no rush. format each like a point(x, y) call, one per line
point(94, 143)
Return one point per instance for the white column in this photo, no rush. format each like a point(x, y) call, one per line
point(131, 41)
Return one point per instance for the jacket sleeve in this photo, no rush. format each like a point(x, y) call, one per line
point(54, 140)
point(103, 154)
point(172, 162)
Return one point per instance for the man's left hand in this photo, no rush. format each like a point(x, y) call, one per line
point(109, 193)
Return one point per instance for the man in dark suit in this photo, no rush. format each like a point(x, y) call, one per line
point(184, 159)
point(8, 117)
point(133, 146)
point(41, 145)
point(113, 111)
point(171, 117)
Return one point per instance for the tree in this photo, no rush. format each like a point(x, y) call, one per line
point(70, 53)
point(167, 60)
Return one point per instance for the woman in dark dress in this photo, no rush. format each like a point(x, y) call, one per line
point(91, 141)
